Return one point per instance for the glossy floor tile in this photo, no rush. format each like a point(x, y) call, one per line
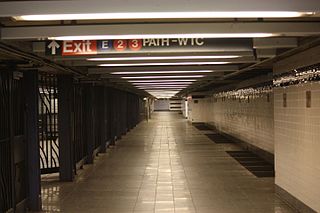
point(164, 165)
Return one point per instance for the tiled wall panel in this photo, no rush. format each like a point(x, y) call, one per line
point(297, 143)
point(250, 121)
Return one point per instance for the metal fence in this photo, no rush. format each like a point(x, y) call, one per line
point(48, 123)
point(5, 151)
point(13, 173)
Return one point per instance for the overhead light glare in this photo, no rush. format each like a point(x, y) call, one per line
point(164, 15)
point(166, 86)
point(162, 64)
point(164, 83)
point(161, 72)
point(161, 87)
point(156, 81)
point(164, 58)
point(165, 76)
point(149, 36)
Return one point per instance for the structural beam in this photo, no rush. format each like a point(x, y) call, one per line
point(166, 30)
point(96, 63)
point(299, 60)
point(266, 53)
point(271, 43)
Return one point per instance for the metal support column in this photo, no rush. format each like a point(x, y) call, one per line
point(65, 90)
point(32, 139)
point(89, 121)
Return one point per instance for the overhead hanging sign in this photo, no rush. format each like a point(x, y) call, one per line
point(95, 47)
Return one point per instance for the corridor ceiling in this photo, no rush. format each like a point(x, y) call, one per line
point(159, 48)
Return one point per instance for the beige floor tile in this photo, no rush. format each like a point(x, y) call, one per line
point(164, 165)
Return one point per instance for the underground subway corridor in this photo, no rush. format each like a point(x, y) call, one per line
point(147, 106)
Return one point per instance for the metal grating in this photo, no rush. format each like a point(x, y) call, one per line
point(48, 124)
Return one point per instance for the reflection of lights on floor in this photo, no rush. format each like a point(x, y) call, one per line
point(51, 208)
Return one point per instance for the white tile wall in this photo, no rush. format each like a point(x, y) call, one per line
point(297, 143)
point(292, 133)
point(199, 112)
point(251, 122)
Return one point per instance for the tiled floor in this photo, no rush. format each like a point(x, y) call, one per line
point(165, 165)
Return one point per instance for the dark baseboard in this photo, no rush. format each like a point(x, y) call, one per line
point(95, 152)
point(80, 164)
point(293, 201)
point(21, 207)
point(267, 156)
point(10, 211)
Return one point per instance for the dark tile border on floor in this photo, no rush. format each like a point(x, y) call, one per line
point(292, 201)
point(218, 138)
point(201, 126)
point(253, 163)
point(269, 157)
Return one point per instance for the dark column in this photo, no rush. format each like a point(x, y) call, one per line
point(102, 117)
point(65, 90)
point(31, 101)
point(89, 121)
point(112, 111)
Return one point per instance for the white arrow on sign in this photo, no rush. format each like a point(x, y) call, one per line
point(53, 46)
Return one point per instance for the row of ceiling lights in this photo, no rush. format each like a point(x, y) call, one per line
point(163, 89)
point(170, 84)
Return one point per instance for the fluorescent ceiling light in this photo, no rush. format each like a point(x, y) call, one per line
point(165, 76)
point(164, 83)
point(162, 92)
point(161, 72)
point(151, 86)
point(183, 85)
point(157, 88)
point(157, 81)
point(176, 87)
point(164, 58)
point(146, 36)
point(162, 64)
point(164, 15)
point(165, 91)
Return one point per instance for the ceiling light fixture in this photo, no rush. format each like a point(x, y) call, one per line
point(166, 86)
point(162, 81)
point(148, 36)
point(164, 58)
point(161, 72)
point(165, 76)
point(164, 15)
point(177, 87)
point(163, 64)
